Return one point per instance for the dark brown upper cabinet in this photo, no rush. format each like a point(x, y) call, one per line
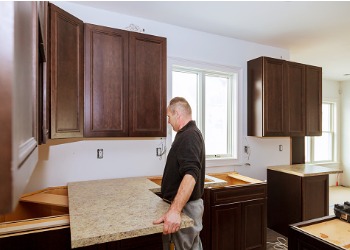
point(147, 85)
point(284, 98)
point(66, 73)
point(125, 83)
point(106, 81)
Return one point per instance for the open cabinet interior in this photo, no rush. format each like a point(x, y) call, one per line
point(46, 209)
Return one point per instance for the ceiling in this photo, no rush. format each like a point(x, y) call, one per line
point(316, 33)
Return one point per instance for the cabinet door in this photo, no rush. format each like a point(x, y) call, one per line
point(273, 97)
point(265, 97)
point(43, 90)
point(254, 224)
point(147, 85)
point(226, 226)
point(313, 101)
point(66, 74)
point(106, 81)
point(295, 99)
point(18, 94)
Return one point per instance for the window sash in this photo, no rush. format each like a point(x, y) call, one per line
point(231, 144)
point(327, 132)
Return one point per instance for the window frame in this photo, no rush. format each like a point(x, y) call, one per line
point(235, 103)
point(310, 140)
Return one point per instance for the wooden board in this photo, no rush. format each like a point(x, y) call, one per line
point(25, 226)
point(334, 231)
point(48, 199)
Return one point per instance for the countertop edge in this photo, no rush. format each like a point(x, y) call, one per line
point(300, 170)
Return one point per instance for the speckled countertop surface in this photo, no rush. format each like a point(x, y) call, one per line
point(305, 170)
point(109, 210)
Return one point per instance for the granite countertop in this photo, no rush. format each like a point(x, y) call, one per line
point(305, 169)
point(109, 210)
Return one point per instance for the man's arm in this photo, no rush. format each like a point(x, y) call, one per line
point(172, 218)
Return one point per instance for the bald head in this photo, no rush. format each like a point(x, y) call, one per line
point(179, 113)
point(181, 105)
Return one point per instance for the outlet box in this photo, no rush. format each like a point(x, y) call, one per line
point(99, 153)
point(246, 149)
point(159, 151)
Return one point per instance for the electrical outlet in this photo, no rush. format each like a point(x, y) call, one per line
point(280, 147)
point(99, 153)
point(159, 151)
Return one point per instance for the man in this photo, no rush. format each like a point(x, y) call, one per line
point(183, 179)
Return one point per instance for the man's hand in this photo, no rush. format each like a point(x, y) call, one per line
point(172, 221)
point(172, 218)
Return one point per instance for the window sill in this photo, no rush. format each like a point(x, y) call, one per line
point(222, 162)
point(328, 164)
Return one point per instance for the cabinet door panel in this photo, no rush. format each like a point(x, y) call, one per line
point(254, 224)
point(147, 85)
point(226, 227)
point(67, 74)
point(313, 101)
point(18, 94)
point(106, 81)
point(273, 94)
point(295, 99)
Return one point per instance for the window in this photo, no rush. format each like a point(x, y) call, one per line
point(213, 98)
point(321, 149)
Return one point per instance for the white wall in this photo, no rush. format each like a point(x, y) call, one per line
point(345, 132)
point(62, 161)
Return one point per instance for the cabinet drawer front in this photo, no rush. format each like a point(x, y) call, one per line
point(237, 193)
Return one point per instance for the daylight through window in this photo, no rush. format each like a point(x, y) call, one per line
point(213, 98)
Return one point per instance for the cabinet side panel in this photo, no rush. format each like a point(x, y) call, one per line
point(315, 197)
point(147, 85)
point(255, 97)
point(283, 200)
point(106, 81)
point(313, 101)
point(67, 74)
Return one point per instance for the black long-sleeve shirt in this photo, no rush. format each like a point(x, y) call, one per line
point(186, 156)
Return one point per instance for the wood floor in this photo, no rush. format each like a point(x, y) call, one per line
point(338, 195)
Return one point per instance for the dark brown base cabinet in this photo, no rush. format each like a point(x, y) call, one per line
point(59, 239)
point(300, 240)
point(292, 199)
point(235, 217)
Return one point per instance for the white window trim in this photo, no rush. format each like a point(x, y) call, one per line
point(336, 127)
point(238, 130)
